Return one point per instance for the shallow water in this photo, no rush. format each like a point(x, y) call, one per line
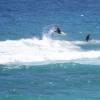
point(54, 81)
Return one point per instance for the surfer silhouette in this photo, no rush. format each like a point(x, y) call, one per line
point(88, 37)
point(57, 30)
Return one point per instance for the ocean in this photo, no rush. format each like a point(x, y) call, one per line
point(36, 63)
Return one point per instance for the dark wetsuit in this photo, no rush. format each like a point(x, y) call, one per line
point(87, 37)
point(58, 30)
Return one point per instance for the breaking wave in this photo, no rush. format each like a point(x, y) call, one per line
point(45, 50)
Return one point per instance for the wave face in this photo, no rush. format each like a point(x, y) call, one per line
point(47, 50)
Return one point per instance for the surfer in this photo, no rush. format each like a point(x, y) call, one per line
point(57, 30)
point(87, 37)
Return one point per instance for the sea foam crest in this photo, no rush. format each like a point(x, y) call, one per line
point(35, 50)
point(45, 50)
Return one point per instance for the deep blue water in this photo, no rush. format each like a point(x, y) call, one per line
point(67, 81)
point(22, 19)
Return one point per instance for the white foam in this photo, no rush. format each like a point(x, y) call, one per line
point(91, 42)
point(34, 50)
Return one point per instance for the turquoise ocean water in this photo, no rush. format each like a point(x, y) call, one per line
point(36, 64)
